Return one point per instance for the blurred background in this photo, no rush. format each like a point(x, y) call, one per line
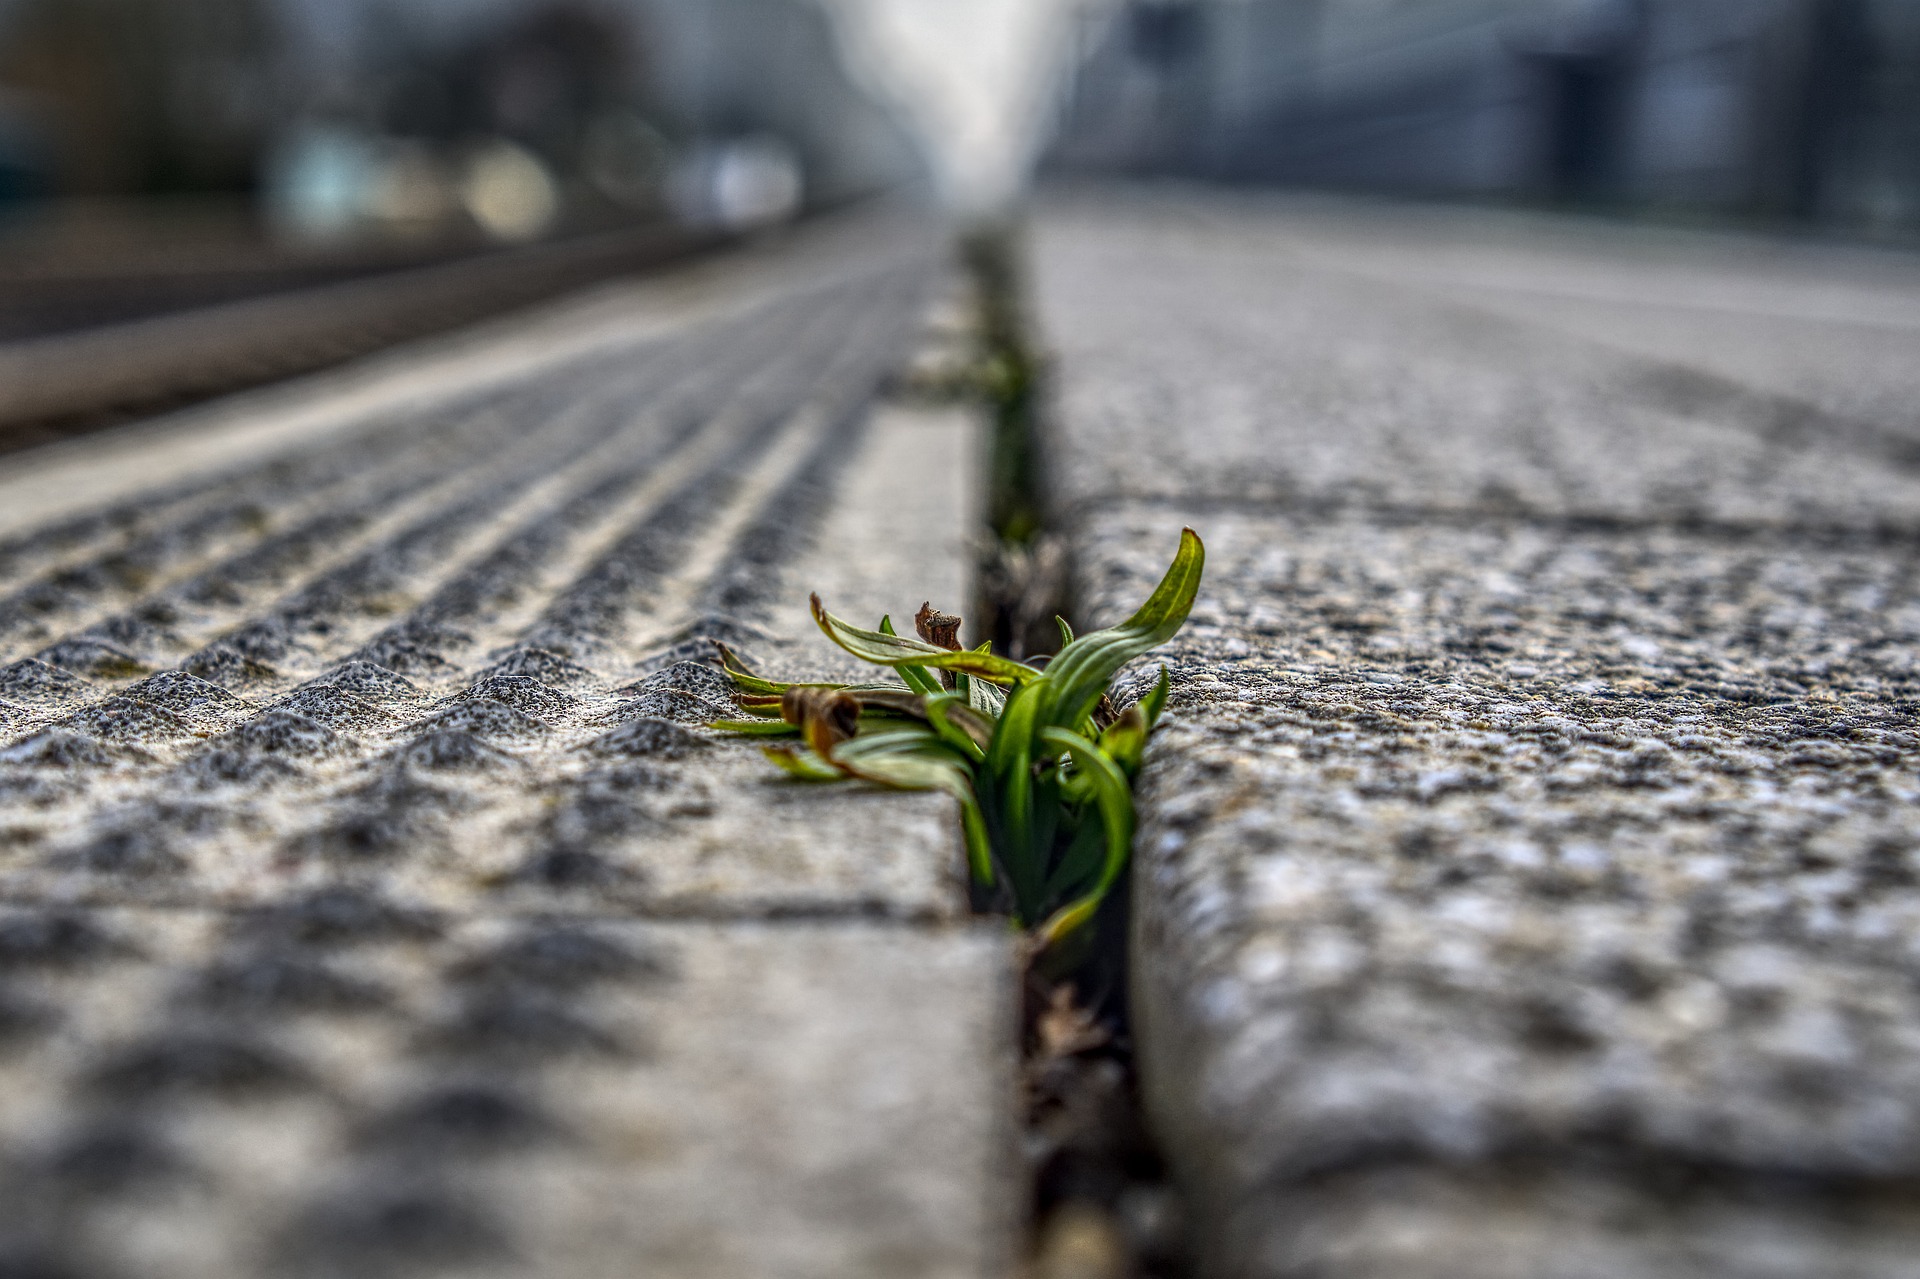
point(1802, 111)
point(160, 155)
point(255, 142)
point(317, 120)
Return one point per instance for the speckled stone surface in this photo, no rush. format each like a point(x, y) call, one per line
point(339, 1087)
point(376, 902)
point(1529, 874)
point(1212, 349)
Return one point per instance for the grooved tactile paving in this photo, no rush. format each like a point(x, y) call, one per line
point(375, 901)
point(1528, 880)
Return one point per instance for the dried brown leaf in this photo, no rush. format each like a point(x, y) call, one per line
point(937, 628)
point(1064, 1028)
point(826, 716)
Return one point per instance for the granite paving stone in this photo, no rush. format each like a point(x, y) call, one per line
point(377, 901)
point(1526, 883)
point(1221, 362)
point(339, 1086)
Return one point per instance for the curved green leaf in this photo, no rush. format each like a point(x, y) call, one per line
point(748, 682)
point(757, 727)
point(918, 680)
point(1082, 670)
point(985, 697)
point(895, 700)
point(973, 828)
point(803, 764)
point(960, 725)
point(1115, 805)
point(902, 653)
point(1010, 763)
point(1125, 740)
point(1081, 859)
point(896, 737)
point(903, 761)
point(1155, 700)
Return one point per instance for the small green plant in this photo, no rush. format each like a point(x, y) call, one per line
point(1041, 764)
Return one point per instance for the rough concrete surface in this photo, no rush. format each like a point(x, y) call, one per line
point(377, 902)
point(1529, 874)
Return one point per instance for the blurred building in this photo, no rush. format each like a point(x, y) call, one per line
point(1800, 108)
point(772, 70)
point(409, 116)
point(103, 97)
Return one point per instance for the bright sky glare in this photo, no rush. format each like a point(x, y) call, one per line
point(975, 78)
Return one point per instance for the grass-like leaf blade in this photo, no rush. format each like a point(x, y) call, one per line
point(758, 727)
point(1083, 669)
point(900, 652)
point(803, 764)
point(1114, 801)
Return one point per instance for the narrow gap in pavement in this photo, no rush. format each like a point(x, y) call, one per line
point(1103, 1206)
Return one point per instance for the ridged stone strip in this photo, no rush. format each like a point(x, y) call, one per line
point(378, 904)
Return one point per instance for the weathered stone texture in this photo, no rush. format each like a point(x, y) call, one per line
point(1823, 332)
point(379, 903)
point(336, 1087)
point(1529, 880)
point(1218, 355)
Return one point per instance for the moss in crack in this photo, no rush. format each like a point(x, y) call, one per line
point(999, 369)
point(1008, 378)
point(1023, 570)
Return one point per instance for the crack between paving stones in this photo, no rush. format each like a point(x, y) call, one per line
point(1102, 1203)
point(1877, 534)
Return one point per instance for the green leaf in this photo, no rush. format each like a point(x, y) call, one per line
point(895, 736)
point(1081, 859)
point(1081, 671)
point(1156, 699)
point(910, 767)
point(803, 764)
point(1045, 801)
point(903, 653)
point(1125, 741)
point(892, 700)
point(1075, 787)
point(973, 828)
point(1115, 807)
point(920, 682)
point(908, 761)
point(889, 696)
point(757, 727)
point(985, 697)
point(1043, 829)
point(960, 725)
point(745, 680)
point(1066, 631)
point(905, 770)
point(1009, 762)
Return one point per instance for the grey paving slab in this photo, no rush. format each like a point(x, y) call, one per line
point(1523, 885)
point(1827, 327)
point(378, 901)
point(341, 1087)
point(1237, 357)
